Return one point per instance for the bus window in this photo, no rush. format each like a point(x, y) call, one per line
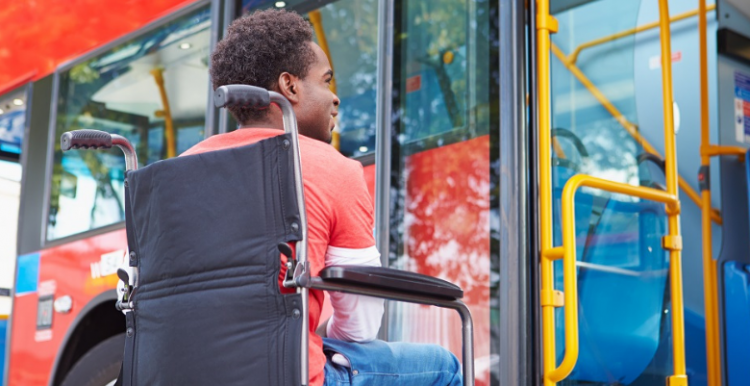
point(347, 30)
point(444, 71)
point(152, 90)
point(12, 123)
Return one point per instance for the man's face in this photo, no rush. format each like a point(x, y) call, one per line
point(317, 105)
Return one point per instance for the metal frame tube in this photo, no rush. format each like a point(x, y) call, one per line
point(302, 272)
point(131, 159)
point(459, 306)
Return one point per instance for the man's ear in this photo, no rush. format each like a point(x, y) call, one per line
point(289, 87)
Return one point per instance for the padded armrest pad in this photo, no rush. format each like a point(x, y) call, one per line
point(392, 280)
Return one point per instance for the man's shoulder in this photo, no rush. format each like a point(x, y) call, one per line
point(325, 159)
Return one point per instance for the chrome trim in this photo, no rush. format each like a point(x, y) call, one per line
point(131, 159)
point(536, 363)
point(52, 130)
point(230, 13)
point(53, 118)
point(208, 128)
point(516, 258)
point(383, 125)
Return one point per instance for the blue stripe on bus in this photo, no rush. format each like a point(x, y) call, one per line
point(27, 279)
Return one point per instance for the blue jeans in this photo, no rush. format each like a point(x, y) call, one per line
point(379, 363)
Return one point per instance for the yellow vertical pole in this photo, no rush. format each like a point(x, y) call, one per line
point(713, 348)
point(166, 113)
point(672, 241)
point(545, 24)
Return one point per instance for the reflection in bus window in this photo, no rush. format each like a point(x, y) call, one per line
point(442, 176)
point(612, 151)
point(12, 123)
point(152, 90)
point(347, 30)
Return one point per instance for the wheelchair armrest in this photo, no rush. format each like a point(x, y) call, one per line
point(391, 280)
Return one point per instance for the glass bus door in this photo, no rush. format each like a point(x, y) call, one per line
point(610, 252)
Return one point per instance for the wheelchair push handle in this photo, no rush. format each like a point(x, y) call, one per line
point(95, 140)
point(237, 95)
point(85, 139)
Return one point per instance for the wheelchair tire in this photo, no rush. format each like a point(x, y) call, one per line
point(100, 366)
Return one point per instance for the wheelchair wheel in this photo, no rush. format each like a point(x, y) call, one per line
point(98, 367)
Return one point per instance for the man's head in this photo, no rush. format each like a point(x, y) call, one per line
point(274, 49)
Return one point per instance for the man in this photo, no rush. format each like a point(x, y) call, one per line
point(274, 49)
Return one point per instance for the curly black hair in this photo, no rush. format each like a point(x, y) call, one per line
point(257, 48)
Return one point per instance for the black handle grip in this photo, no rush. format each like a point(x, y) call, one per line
point(85, 139)
point(240, 95)
point(658, 161)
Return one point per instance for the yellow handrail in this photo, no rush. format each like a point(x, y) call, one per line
point(671, 242)
point(546, 24)
point(573, 57)
point(630, 127)
point(4, 317)
point(710, 286)
point(570, 280)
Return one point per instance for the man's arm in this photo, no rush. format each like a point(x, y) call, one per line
point(355, 318)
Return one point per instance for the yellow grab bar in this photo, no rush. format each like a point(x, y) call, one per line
point(671, 242)
point(630, 127)
point(573, 57)
point(546, 24)
point(568, 255)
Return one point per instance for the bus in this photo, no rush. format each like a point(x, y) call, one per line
point(470, 136)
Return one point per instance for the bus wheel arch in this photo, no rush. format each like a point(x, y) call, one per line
point(98, 321)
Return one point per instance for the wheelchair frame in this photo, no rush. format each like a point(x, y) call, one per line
point(369, 282)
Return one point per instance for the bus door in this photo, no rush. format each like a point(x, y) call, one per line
point(611, 291)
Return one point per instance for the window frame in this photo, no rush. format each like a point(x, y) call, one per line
point(54, 100)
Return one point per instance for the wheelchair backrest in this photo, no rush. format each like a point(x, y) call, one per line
point(207, 308)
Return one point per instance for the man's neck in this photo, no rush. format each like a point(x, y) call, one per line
point(272, 120)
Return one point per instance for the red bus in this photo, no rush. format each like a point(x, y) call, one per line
point(438, 104)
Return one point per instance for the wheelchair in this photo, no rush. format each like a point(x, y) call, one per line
point(205, 232)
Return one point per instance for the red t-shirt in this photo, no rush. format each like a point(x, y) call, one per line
point(339, 212)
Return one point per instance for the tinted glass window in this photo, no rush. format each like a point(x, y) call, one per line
point(152, 90)
point(12, 123)
point(442, 169)
point(347, 30)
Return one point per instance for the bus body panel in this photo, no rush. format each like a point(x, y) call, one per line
point(82, 270)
